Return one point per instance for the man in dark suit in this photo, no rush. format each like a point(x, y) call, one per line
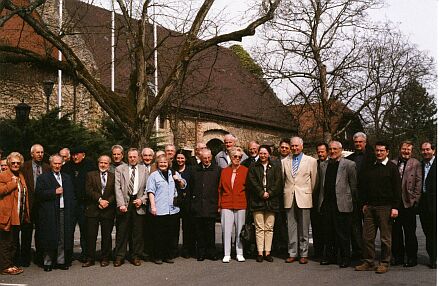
point(131, 199)
point(253, 154)
point(100, 210)
point(410, 171)
point(337, 185)
point(56, 206)
point(428, 201)
point(31, 170)
point(77, 168)
point(204, 183)
point(195, 160)
point(364, 158)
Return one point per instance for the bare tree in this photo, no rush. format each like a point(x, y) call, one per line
point(136, 112)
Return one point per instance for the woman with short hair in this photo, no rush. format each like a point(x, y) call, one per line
point(14, 211)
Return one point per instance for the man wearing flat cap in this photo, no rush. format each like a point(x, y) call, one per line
point(77, 168)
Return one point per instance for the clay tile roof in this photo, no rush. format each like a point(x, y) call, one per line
point(216, 83)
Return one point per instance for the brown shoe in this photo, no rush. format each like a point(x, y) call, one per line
point(105, 263)
point(365, 266)
point(382, 268)
point(88, 263)
point(290, 259)
point(13, 270)
point(118, 262)
point(136, 262)
point(303, 260)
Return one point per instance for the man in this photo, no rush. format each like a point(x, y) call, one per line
point(65, 154)
point(56, 208)
point(410, 171)
point(315, 217)
point(130, 181)
point(253, 153)
point(222, 158)
point(3, 166)
point(31, 170)
point(100, 210)
point(299, 172)
point(77, 168)
point(428, 201)
point(284, 148)
point(170, 152)
point(117, 157)
point(364, 158)
point(204, 183)
point(150, 167)
point(337, 185)
point(196, 159)
point(380, 197)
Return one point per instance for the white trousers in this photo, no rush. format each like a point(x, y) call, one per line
point(229, 219)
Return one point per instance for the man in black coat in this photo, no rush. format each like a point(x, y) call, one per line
point(77, 168)
point(56, 198)
point(428, 201)
point(204, 204)
point(100, 210)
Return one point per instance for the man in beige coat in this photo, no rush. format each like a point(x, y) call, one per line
point(299, 173)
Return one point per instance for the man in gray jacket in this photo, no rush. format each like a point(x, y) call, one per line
point(337, 186)
point(222, 159)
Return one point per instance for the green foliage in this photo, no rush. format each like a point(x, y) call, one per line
point(414, 118)
point(246, 61)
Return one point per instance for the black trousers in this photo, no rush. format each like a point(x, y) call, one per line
point(80, 219)
point(336, 228)
point(357, 241)
point(7, 248)
point(317, 219)
point(148, 237)
point(188, 228)
point(404, 239)
point(129, 230)
point(205, 236)
point(23, 244)
point(93, 224)
point(164, 234)
point(428, 219)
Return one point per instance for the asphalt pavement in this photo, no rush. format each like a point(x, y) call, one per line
point(192, 272)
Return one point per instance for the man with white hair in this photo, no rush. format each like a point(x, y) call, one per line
point(31, 170)
point(222, 158)
point(299, 172)
point(196, 159)
point(65, 153)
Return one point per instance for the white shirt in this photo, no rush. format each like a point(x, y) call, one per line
point(136, 178)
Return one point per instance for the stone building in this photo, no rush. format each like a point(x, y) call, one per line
point(219, 96)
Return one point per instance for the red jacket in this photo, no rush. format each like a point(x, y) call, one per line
point(232, 198)
point(9, 201)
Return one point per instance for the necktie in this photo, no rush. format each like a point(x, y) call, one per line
point(103, 181)
point(401, 168)
point(427, 167)
point(60, 182)
point(295, 166)
point(131, 183)
point(38, 170)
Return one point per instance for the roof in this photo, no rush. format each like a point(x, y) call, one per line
point(215, 84)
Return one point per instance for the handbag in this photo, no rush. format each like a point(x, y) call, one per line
point(247, 233)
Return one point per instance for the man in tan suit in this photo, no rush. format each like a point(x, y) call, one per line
point(299, 172)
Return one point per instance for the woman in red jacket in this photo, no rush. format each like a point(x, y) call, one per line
point(14, 210)
point(232, 203)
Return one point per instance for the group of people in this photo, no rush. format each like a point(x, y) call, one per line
point(155, 194)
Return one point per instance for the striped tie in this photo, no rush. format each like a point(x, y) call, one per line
point(295, 166)
point(103, 182)
point(131, 183)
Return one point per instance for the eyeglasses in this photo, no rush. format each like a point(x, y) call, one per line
point(237, 157)
point(15, 163)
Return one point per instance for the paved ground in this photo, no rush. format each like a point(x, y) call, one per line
point(191, 272)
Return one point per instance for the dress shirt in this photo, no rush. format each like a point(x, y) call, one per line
point(136, 178)
point(60, 182)
point(426, 171)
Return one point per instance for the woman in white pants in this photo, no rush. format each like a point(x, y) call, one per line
point(232, 203)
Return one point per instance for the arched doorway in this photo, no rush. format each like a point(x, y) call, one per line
point(216, 145)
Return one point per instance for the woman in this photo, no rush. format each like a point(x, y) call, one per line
point(264, 186)
point(14, 211)
point(232, 203)
point(161, 189)
point(184, 170)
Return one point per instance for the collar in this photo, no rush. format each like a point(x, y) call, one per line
point(431, 161)
point(299, 157)
point(384, 162)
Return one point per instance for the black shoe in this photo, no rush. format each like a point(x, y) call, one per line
point(213, 258)
point(62, 266)
point(345, 262)
point(47, 268)
point(259, 258)
point(324, 262)
point(410, 263)
point(157, 261)
point(268, 258)
point(201, 258)
point(168, 260)
point(185, 254)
